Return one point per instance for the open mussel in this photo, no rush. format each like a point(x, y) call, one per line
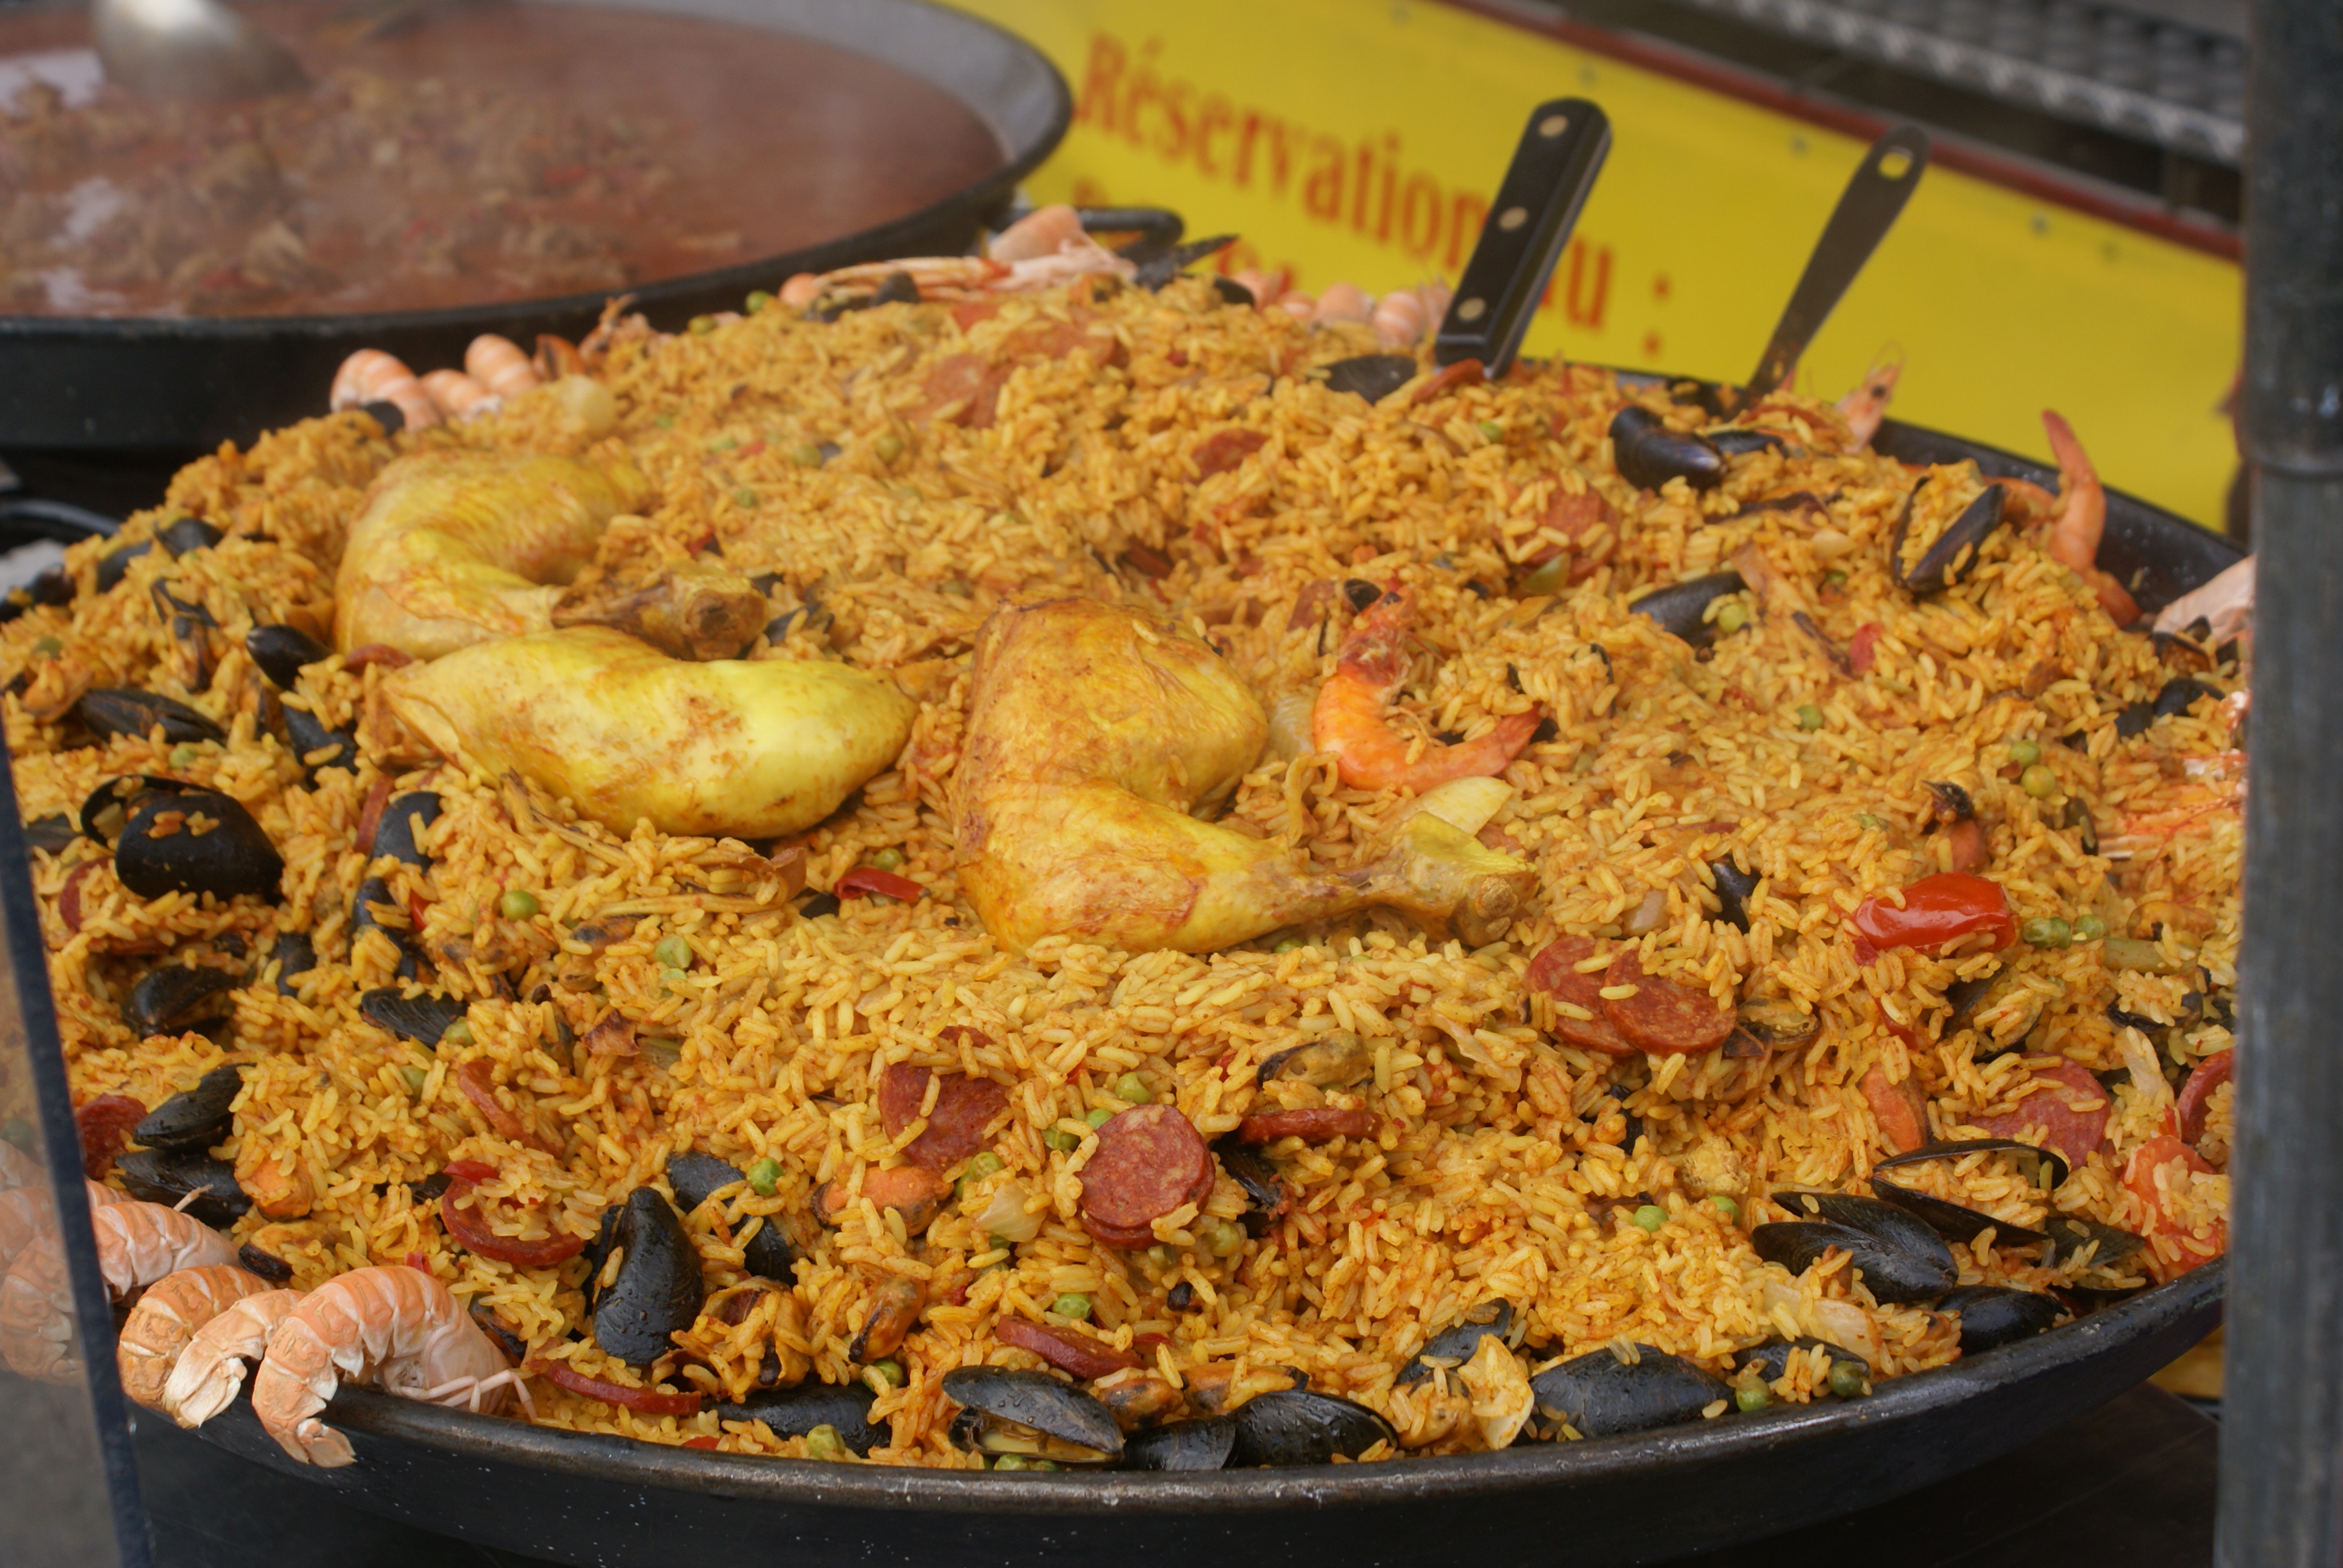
point(185, 535)
point(658, 1289)
point(178, 998)
point(109, 711)
point(1599, 1395)
point(1205, 1444)
point(1257, 1175)
point(1649, 453)
point(1772, 1359)
point(52, 834)
point(115, 565)
point(696, 1177)
point(2042, 1167)
point(196, 1118)
point(1681, 609)
point(421, 1019)
point(316, 746)
point(1777, 1023)
point(1452, 1347)
point(1902, 1260)
point(1373, 376)
point(191, 841)
point(1337, 1061)
point(374, 894)
point(1943, 564)
point(166, 1176)
point(2071, 1236)
point(1992, 1316)
point(1029, 1414)
point(282, 652)
point(401, 833)
point(1739, 440)
point(1734, 887)
point(1296, 1426)
point(294, 954)
point(108, 809)
point(844, 1408)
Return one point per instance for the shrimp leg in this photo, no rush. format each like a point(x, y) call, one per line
point(1350, 719)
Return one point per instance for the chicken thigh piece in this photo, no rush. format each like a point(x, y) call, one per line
point(1098, 736)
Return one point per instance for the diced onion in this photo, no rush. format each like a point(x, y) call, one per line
point(1289, 725)
point(1006, 1215)
point(1465, 804)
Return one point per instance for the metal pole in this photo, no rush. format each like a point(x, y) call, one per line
point(2282, 1437)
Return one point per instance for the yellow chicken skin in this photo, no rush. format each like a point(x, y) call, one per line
point(751, 749)
point(1096, 734)
point(455, 548)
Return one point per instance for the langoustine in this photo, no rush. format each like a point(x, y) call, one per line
point(1350, 719)
point(166, 1320)
point(209, 1370)
point(138, 1244)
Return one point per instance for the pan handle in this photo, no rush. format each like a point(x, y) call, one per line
point(1561, 150)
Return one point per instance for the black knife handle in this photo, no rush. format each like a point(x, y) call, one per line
point(1561, 152)
point(1882, 183)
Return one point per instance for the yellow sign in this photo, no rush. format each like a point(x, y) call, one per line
point(1361, 141)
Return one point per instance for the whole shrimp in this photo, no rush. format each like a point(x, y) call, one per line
point(2081, 519)
point(396, 1326)
point(138, 1244)
point(167, 1319)
point(27, 1213)
point(371, 375)
point(1867, 405)
point(1350, 719)
point(500, 365)
point(1040, 250)
point(204, 1380)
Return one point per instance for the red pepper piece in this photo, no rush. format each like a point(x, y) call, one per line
point(469, 1170)
point(871, 879)
point(1865, 648)
point(1936, 910)
point(648, 1401)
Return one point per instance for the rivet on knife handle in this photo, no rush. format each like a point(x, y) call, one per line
point(1882, 183)
point(1561, 152)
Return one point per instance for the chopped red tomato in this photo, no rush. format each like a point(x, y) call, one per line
point(1936, 910)
point(648, 1401)
point(871, 879)
point(1865, 648)
point(2174, 1246)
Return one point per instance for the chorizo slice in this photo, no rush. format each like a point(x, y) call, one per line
point(2155, 1176)
point(2210, 1075)
point(1150, 1161)
point(1663, 1017)
point(1311, 1124)
point(1553, 972)
point(105, 1125)
point(2069, 1113)
point(1900, 1110)
point(965, 1107)
point(1080, 1355)
point(963, 389)
point(1225, 450)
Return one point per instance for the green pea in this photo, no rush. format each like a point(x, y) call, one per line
point(1132, 1087)
point(1286, 944)
point(1847, 1380)
point(2039, 781)
point(1161, 1256)
point(888, 859)
point(1492, 431)
point(806, 454)
point(673, 951)
point(1733, 617)
point(986, 1163)
point(1866, 820)
point(1548, 577)
point(1064, 1142)
point(2046, 931)
point(724, 444)
point(2090, 929)
point(823, 1442)
point(888, 1373)
point(2026, 754)
point(765, 1177)
point(1752, 1397)
point(1582, 763)
point(1729, 1209)
point(957, 588)
point(1221, 1238)
point(184, 756)
point(758, 302)
point(701, 325)
point(517, 904)
point(1651, 1216)
point(663, 421)
point(745, 498)
point(888, 446)
point(1809, 716)
point(1072, 1304)
point(458, 1032)
point(1836, 579)
point(1099, 1117)
point(414, 1077)
point(1012, 1462)
point(1001, 1243)
point(48, 647)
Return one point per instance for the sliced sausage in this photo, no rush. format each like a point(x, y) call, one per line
point(1312, 1124)
point(1663, 1017)
point(2210, 1075)
point(2069, 1111)
point(105, 1123)
point(965, 1107)
point(1224, 449)
point(1552, 972)
point(1150, 1161)
point(1069, 1351)
point(2173, 1247)
point(966, 386)
point(1901, 1109)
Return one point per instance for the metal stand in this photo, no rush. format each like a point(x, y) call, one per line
point(2282, 1444)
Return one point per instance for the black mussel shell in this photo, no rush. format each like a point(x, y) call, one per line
point(658, 1289)
point(818, 906)
point(2044, 1168)
point(1902, 1259)
point(267, 1265)
point(1156, 272)
point(186, 535)
point(1952, 1220)
point(53, 586)
point(1777, 1023)
point(1253, 1171)
point(403, 822)
point(309, 735)
point(1452, 1347)
point(1360, 593)
point(1992, 1316)
point(387, 414)
point(51, 833)
point(193, 614)
point(1295, 1426)
point(696, 1176)
point(1736, 441)
point(177, 998)
point(1649, 454)
point(109, 711)
point(1678, 607)
point(1599, 1395)
point(110, 804)
point(422, 1019)
point(232, 858)
point(434, 1187)
point(1734, 887)
point(115, 565)
point(166, 1176)
point(372, 892)
point(896, 288)
point(845, 1408)
point(196, 1119)
point(1952, 801)
point(1773, 1357)
point(1030, 1413)
point(1373, 376)
point(2178, 695)
point(1203, 1444)
point(2070, 1234)
point(1962, 997)
point(295, 955)
point(282, 652)
point(1935, 572)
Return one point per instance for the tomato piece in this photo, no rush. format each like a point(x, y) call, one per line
point(871, 879)
point(648, 1401)
point(469, 1228)
point(105, 1123)
point(469, 1170)
point(709, 1444)
point(2173, 1246)
point(1937, 910)
point(1865, 648)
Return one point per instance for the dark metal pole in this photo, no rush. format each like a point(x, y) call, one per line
point(2282, 1429)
